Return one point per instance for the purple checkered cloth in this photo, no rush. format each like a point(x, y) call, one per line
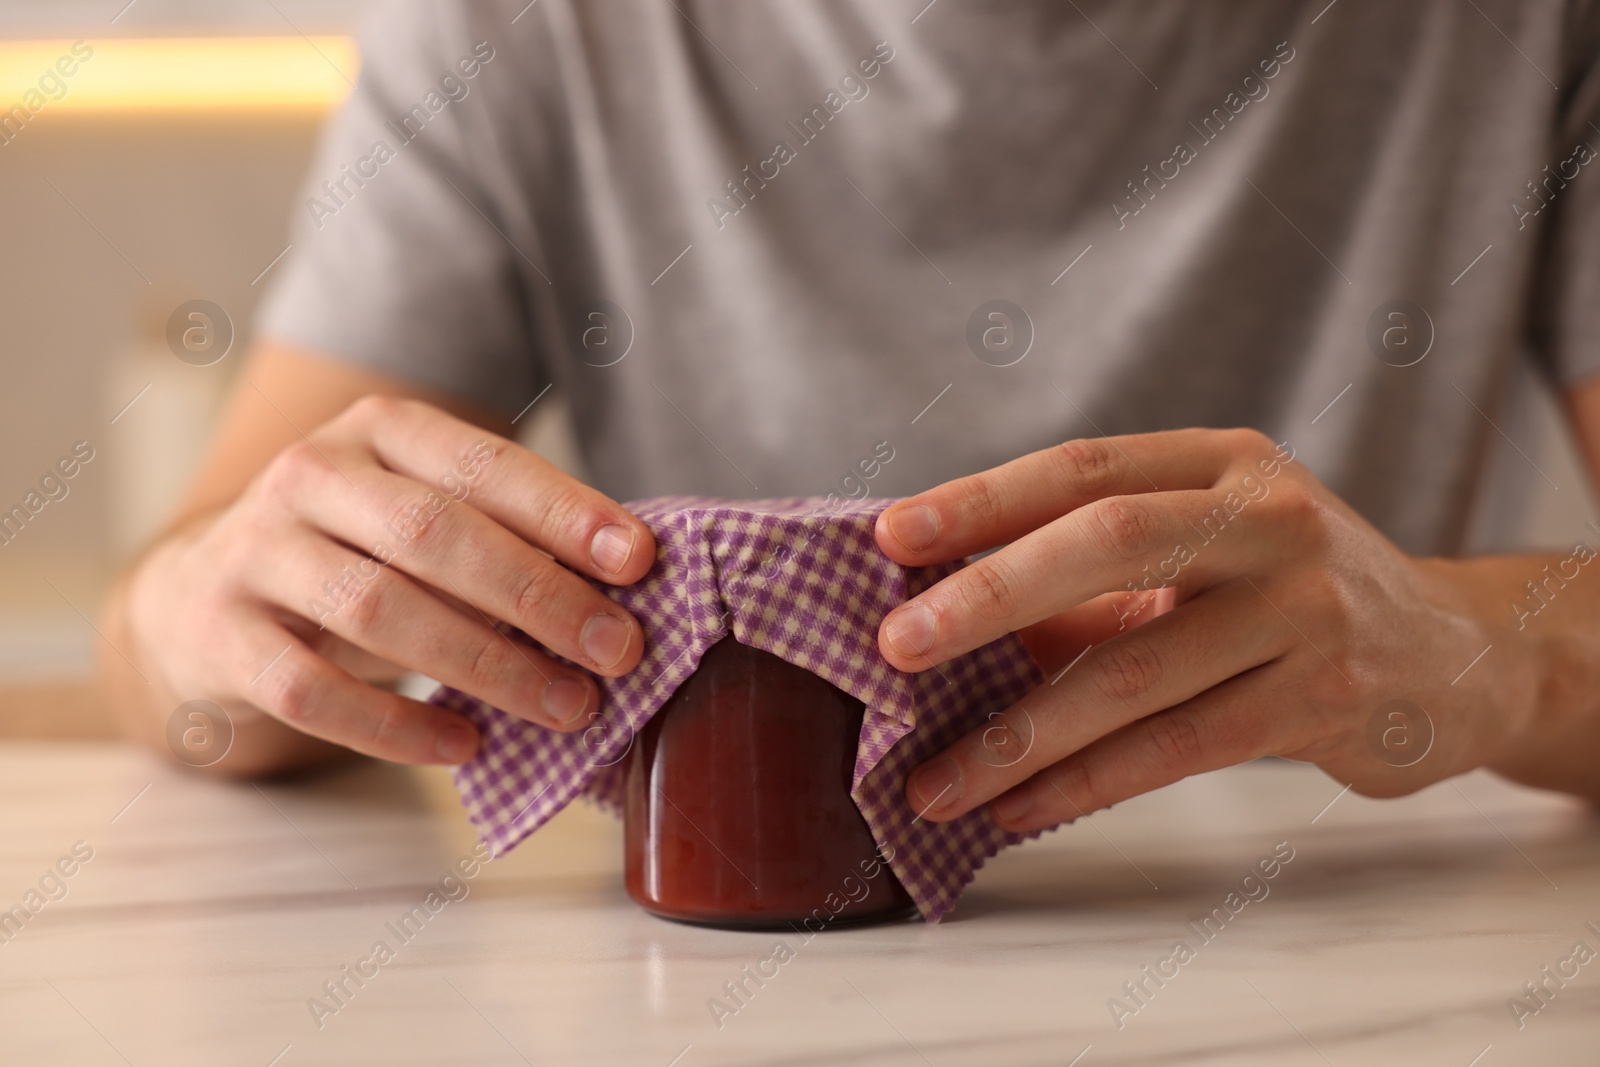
point(804, 580)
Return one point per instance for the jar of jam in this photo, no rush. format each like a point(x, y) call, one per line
point(738, 810)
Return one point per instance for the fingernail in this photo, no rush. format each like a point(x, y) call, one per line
point(915, 526)
point(604, 640)
point(610, 547)
point(456, 742)
point(911, 630)
point(565, 700)
point(936, 785)
point(1009, 809)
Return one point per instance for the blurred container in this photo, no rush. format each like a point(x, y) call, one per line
point(162, 437)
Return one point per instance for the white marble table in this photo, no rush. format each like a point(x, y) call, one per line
point(211, 913)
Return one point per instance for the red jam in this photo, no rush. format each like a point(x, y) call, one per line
point(738, 802)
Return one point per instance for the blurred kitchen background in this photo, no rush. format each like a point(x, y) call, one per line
point(167, 171)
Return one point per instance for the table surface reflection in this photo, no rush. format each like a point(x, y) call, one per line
point(210, 916)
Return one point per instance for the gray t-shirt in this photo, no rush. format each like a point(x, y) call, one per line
point(760, 245)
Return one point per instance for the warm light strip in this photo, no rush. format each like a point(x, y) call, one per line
point(176, 74)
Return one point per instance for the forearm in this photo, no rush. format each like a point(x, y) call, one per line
point(1542, 616)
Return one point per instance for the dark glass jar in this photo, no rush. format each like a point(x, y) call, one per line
point(738, 802)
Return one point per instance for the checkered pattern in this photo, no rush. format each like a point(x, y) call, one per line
point(801, 579)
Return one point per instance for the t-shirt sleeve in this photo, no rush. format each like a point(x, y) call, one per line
point(398, 260)
point(1565, 326)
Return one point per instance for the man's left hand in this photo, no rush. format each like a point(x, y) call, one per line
point(1196, 599)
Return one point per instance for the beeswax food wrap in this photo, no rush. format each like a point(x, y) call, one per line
point(802, 579)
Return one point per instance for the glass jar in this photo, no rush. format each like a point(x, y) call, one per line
point(738, 807)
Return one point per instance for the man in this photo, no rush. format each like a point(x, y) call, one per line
point(761, 246)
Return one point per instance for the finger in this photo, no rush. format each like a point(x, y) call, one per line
point(1120, 543)
point(1229, 724)
point(1140, 672)
point(996, 506)
point(382, 611)
point(1059, 640)
point(280, 675)
point(518, 489)
point(458, 549)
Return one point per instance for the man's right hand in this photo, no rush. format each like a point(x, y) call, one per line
point(391, 538)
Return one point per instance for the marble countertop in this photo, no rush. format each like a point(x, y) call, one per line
point(201, 920)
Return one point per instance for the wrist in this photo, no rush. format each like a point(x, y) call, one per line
point(138, 623)
point(141, 612)
point(1535, 688)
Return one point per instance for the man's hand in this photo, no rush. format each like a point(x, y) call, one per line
point(393, 537)
point(1196, 599)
